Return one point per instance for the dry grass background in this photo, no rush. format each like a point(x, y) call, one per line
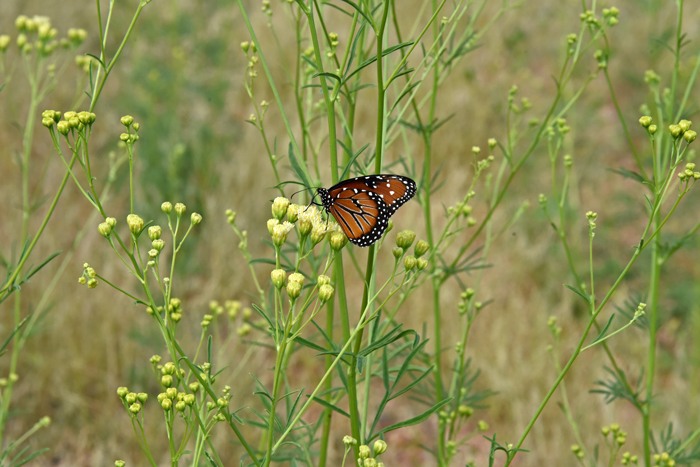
point(180, 77)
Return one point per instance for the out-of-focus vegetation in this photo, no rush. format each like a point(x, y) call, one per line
point(181, 77)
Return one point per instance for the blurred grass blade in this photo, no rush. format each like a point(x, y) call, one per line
point(299, 167)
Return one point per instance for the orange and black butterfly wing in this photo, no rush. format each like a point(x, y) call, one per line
point(362, 206)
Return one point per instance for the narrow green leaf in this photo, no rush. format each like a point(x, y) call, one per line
point(415, 420)
point(264, 315)
point(334, 408)
point(603, 331)
point(579, 293)
point(352, 161)
point(309, 344)
point(359, 10)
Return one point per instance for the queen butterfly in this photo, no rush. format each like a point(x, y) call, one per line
point(362, 206)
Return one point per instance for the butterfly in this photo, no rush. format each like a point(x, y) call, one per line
point(362, 206)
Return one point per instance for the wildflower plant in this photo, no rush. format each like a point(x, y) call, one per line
point(307, 299)
point(40, 55)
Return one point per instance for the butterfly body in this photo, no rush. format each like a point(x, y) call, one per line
point(362, 206)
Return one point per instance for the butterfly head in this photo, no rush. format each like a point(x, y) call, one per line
point(325, 198)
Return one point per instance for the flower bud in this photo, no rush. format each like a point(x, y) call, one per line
point(180, 209)
point(293, 289)
point(180, 406)
point(135, 223)
point(685, 124)
point(675, 130)
point(142, 397)
point(389, 226)
point(397, 252)
point(63, 127)
point(325, 293)
point(135, 408)
point(305, 226)
point(405, 239)
point(421, 263)
point(349, 440)
point(47, 122)
point(122, 392)
point(492, 143)
point(166, 404)
point(130, 398)
point(127, 120)
point(337, 240)
point(364, 452)
point(166, 381)
point(280, 232)
point(421, 248)
point(292, 212)
point(379, 447)
point(369, 462)
point(245, 45)
point(244, 330)
point(690, 136)
point(158, 244)
point(105, 229)
point(322, 280)
point(154, 232)
point(279, 207)
point(652, 129)
point(119, 463)
point(409, 262)
point(92, 283)
point(189, 399)
point(194, 387)
point(271, 223)
point(166, 207)
point(645, 121)
point(195, 218)
point(278, 277)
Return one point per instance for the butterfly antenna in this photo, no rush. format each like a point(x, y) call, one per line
point(300, 191)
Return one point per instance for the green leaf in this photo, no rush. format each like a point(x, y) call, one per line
point(98, 60)
point(359, 10)
point(352, 161)
point(299, 167)
point(601, 336)
point(369, 61)
point(579, 293)
point(334, 408)
point(328, 74)
point(361, 362)
point(415, 420)
point(264, 315)
point(309, 344)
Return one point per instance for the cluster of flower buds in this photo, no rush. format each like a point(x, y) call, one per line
point(591, 216)
point(366, 458)
point(171, 399)
point(628, 459)
point(71, 120)
point(618, 436)
point(663, 460)
point(132, 400)
point(308, 221)
point(689, 173)
point(89, 277)
point(404, 240)
point(39, 30)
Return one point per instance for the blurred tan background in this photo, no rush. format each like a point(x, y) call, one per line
point(181, 78)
